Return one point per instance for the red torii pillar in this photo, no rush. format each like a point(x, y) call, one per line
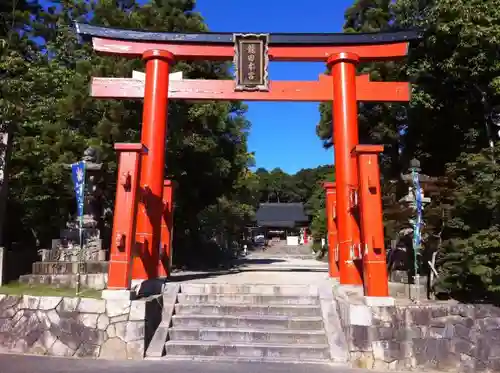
point(372, 225)
point(123, 235)
point(154, 134)
point(331, 207)
point(345, 136)
point(124, 223)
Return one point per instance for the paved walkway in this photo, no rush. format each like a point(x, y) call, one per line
point(36, 364)
point(260, 267)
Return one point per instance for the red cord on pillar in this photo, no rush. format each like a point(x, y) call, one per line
point(167, 222)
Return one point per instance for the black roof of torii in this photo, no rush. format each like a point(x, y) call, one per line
point(87, 31)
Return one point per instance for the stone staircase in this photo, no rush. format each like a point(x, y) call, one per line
point(282, 250)
point(248, 322)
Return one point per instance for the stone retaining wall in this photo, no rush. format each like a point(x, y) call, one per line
point(79, 327)
point(96, 281)
point(443, 336)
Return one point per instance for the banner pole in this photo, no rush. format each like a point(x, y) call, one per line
point(78, 278)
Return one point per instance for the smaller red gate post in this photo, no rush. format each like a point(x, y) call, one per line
point(331, 202)
point(345, 138)
point(376, 283)
point(123, 236)
point(167, 222)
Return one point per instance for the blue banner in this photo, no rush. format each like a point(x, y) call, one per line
point(417, 235)
point(78, 176)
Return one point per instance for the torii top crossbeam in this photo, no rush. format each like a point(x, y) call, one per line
point(220, 46)
point(278, 47)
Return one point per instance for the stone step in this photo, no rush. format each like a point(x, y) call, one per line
point(247, 309)
point(243, 350)
point(278, 256)
point(247, 299)
point(283, 268)
point(248, 322)
point(229, 359)
point(257, 289)
point(248, 335)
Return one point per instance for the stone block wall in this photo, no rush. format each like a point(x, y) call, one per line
point(438, 336)
point(96, 281)
point(79, 327)
point(64, 268)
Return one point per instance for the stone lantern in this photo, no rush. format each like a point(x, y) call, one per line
point(69, 241)
point(66, 263)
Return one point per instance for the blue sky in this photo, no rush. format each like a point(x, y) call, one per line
point(283, 133)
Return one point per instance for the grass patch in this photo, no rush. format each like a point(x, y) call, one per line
point(15, 288)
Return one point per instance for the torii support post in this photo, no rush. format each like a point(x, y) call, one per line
point(123, 236)
point(331, 207)
point(154, 132)
point(345, 138)
point(372, 226)
point(167, 223)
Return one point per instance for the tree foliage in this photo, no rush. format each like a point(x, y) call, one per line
point(46, 100)
point(447, 125)
point(305, 186)
point(470, 258)
point(46, 73)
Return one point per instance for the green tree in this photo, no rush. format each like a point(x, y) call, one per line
point(278, 185)
point(456, 93)
point(446, 125)
point(206, 148)
point(469, 268)
point(379, 123)
point(454, 63)
point(469, 261)
point(305, 186)
point(456, 78)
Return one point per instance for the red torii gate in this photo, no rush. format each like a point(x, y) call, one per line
point(143, 208)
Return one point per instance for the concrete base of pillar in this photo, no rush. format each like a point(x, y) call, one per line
point(379, 301)
point(118, 294)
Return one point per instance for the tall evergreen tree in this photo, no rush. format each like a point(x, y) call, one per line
point(379, 123)
point(447, 123)
point(206, 148)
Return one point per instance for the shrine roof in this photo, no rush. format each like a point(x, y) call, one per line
point(87, 31)
point(280, 214)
